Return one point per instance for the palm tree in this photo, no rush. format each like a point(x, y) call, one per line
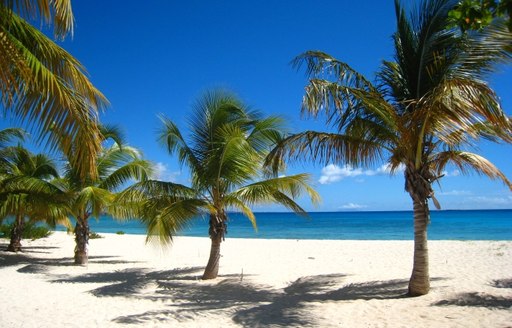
point(117, 165)
point(42, 83)
point(27, 193)
point(426, 109)
point(224, 154)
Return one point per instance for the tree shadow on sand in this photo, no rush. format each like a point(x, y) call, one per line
point(30, 261)
point(248, 304)
point(130, 282)
point(291, 307)
point(478, 300)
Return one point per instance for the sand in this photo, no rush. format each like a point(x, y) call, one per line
point(262, 283)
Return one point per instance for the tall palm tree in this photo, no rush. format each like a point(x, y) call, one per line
point(224, 154)
point(27, 193)
point(42, 83)
point(117, 165)
point(427, 108)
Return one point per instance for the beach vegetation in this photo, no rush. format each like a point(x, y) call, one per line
point(27, 192)
point(44, 85)
point(224, 153)
point(94, 235)
point(31, 231)
point(426, 109)
point(117, 165)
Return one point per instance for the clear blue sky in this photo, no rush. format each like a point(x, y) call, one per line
point(156, 57)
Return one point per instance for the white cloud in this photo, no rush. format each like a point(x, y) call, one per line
point(333, 173)
point(487, 201)
point(353, 206)
point(454, 173)
point(162, 173)
point(455, 193)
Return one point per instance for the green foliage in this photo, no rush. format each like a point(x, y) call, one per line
point(30, 231)
point(120, 232)
point(477, 14)
point(94, 235)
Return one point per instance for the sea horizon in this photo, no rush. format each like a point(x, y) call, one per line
point(487, 224)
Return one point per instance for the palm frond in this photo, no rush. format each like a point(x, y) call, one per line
point(466, 161)
point(170, 137)
point(280, 190)
point(93, 200)
point(326, 148)
point(46, 86)
point(55, 12)
point(136, 170)
point(8, 135)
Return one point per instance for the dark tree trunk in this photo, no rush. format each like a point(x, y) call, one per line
point(81, 239)
point(217, 231)
point(418, 184)
point(16, 234)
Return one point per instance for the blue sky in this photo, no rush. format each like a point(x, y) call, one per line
point(157, 57)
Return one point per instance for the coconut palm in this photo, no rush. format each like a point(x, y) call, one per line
point(117, 165)
point(425, 111)
point(26, 192)
point(42, 83)
point(224, 154)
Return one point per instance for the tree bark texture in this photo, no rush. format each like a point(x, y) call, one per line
point(217, 231)
point(81, 240)
point(418, 184)
point(16, 235)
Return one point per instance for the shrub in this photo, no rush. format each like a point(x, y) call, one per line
point(94, 235)
point(120, 232)
point(31, 231)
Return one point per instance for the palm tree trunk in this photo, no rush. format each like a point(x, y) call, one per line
point(217, 231)
point(419, 284)
point(81, 239)
point(16, 234)
point(417, 183)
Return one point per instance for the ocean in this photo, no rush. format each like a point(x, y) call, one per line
point(396, 225)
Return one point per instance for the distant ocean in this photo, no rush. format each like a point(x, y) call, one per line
point(445, 225)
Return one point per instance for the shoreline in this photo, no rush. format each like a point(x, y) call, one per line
point(262, 282)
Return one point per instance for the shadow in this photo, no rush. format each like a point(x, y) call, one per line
point(478, 300)
point(251, 305)
point(130, 282)
point(288, 308)
point(502, 283)
point(33, 264)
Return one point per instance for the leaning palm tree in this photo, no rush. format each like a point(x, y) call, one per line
point(117, 165)
point(224, 154)
point(426, 109)
point(42, 83)
point(26, 192)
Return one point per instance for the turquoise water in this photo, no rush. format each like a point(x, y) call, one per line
point(445, 225)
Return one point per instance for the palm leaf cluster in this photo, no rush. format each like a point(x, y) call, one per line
point(43, 84)
point(224, 153)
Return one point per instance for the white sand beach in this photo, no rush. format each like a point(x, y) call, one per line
point(262, 283)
